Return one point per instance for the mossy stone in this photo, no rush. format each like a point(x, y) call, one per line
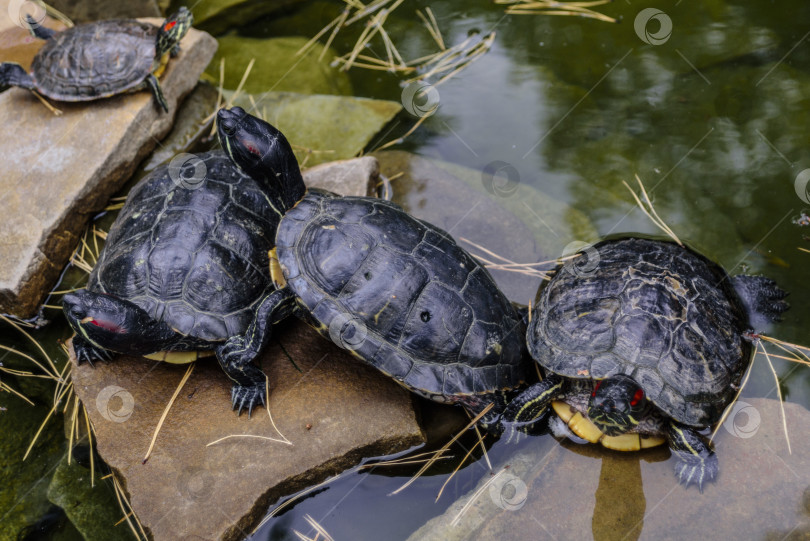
point(277, 68)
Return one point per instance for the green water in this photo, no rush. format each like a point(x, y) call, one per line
point(714, 121)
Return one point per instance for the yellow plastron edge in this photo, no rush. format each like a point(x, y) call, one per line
point(585, 429)
point(179, 357)
point(275, 269)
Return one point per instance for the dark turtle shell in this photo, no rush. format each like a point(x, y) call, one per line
point(95, 60)
point(653, 310)
point(432, 316)
point(191, 254)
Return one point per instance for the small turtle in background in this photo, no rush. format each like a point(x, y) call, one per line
point(396, 292)
point(100, 59)
point(185, 268)
point(644, 344)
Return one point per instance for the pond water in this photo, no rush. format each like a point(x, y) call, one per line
point(713, 118)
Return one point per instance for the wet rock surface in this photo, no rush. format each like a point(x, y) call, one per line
point(332, 408)
point(322, 128)
point(581, 492)
point(60, 170)
point(356, 177)
point(456, 199)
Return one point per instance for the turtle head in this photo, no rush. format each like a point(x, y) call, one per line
point(616, 404)
point(114, 324)
point(262, 152)
point(172, 31)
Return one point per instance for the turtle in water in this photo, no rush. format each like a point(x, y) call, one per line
point(644, 342)
point(396, 292)
point(100, 59)
point(185, 268)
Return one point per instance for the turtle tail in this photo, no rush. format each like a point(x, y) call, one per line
point(763, 299)
point(13, 74)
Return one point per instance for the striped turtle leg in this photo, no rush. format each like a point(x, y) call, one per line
point(13, 74)
point(86, 351)
point(697, 464)
point(154, 86)
point(529, 407)
point(237, 354)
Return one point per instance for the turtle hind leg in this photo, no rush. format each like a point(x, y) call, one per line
point(154, 86)
point(696, 461)
point(763, 299)
point(237, 355)
point(36, 29)
point(13, 74)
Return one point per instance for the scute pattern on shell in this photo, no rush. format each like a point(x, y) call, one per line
point(653, 310)
point(95, 60)
point(195, 258)
point(435, 319)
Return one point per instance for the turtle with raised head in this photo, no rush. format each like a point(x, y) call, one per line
point(185, 269)
point(395, 291)
point(100, 59)
point(644, 342)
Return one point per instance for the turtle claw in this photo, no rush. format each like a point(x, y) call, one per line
point(696, 469)
point(86, 352)
point(246, 397)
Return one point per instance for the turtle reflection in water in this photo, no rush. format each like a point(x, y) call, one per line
point(100, 59)
point(395, 291)
point(649, 345)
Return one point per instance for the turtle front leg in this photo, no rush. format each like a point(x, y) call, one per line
point(528, 408)
point(85, 351)
point(237, 354)
point(13, 74)
point(697, 464)
point(154, 86)
point(37, 30)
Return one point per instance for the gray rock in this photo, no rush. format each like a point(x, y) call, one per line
point(58, 171)
point(357, 177)
point(333, 409)
point(564, 492)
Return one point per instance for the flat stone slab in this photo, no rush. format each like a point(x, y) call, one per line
point(356, 177)
point(335, 411)
point(569, 491)
point(57, 171)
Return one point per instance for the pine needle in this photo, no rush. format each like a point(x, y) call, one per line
point(727, 411)
point(650, 212)
point(475, 497)
point(779, 394)
point(267, 405)
point(268, 438)
point(126, 508)
point(444, 448)
point(53, 370)
point(166, 410)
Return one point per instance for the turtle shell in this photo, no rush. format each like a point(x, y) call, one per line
point(191, 254)
point(660, 313)
point(428, 314)
point(95, 60)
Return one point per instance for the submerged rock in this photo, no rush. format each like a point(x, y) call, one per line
point(456, 199)
point(322, 128)
point(332, 408)
point(566, 492)
point(277, 67)
point(216, 16)
point(357, 177)
point(59, 170)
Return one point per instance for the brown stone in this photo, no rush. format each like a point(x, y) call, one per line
point(581, 492)
point(335, 411)
point(58, 171)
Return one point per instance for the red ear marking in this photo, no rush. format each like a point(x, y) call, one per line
point(598, 383)
point(637, 398)
point(169, 26)
point(106, 325)
point(252, 149)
